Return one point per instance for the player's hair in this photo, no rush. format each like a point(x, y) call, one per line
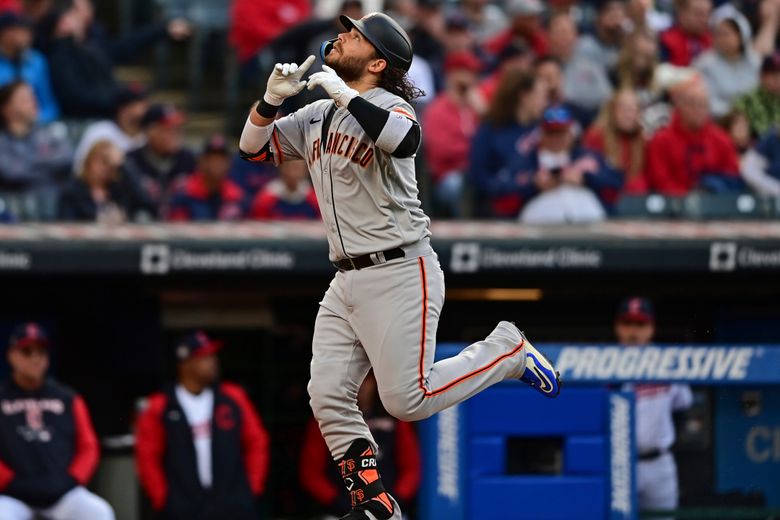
point(396, 81)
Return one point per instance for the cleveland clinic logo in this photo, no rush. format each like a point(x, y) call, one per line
point(155, 259)
point(465, 257)
point(723, 256)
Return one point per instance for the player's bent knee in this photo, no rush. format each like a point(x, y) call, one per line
point(403, 408)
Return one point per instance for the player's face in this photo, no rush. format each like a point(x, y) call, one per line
point(351, 55)
point(30, 363)
point(634, 333)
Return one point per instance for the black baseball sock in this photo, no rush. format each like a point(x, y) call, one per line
point(361, 478)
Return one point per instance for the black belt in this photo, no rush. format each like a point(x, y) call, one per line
point(652, 454)
point(361, 262)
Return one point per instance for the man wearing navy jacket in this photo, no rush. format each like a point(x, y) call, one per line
point(48, 449)
point(201, 449)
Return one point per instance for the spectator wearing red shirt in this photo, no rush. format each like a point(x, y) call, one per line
point(254, 23)
point(450, 122)
point(288, 197)
point(399, 457)
point(201, 448)
point(617, 135)
point(525, 27)
point(208, 194)
point(692, 152)
point(690, 35)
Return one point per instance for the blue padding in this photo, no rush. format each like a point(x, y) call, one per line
point(585, 455)
point(487, 456)
point(537, 498)
point(518, 410)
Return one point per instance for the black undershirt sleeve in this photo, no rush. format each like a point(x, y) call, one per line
point(373, 119)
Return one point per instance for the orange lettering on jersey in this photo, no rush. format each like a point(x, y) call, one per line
point(367, 157)
point(344, 138)
point(348, 153)
point(359, 152)
point(330, 143)
point(315, 151)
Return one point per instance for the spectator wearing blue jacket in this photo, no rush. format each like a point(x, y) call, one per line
point(19, 61)
point(560, 181)
point(208, 194)
point(509, 132)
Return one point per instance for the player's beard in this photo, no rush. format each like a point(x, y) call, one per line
point(349, 68)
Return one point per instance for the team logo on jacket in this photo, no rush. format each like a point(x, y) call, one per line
point(34, 428)
point(224, 418)
point(344, 145)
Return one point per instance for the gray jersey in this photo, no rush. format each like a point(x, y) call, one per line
point(367, 197)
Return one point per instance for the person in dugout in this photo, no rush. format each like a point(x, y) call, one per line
point(201, 448)
point(48, 449)
point(655, 405)
point(399, 457)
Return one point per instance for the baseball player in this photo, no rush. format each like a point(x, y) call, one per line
point(382, 307)
point(655, 404)
point(48, 449)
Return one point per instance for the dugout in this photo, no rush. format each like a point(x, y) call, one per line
point(114, 298)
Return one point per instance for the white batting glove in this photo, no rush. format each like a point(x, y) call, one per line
point(333, 85)
point(285, 81)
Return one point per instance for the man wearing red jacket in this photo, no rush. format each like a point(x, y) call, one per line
point(48, 449)
point(692, 152)
point(201, 449)
point(399, 456)
point(690, 35)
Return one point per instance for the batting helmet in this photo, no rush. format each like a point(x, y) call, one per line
point(390, 40)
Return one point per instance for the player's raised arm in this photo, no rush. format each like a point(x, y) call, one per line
point(285, 81)
point(394, 131)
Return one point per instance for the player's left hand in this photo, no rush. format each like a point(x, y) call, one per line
point(333, 85)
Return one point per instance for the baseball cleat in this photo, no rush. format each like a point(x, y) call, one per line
point(539, 372)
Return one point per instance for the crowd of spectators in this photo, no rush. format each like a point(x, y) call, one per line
point(543, 112)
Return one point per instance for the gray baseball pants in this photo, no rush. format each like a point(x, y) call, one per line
point(386, 317)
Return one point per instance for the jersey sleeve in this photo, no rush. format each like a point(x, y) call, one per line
point(287, 139)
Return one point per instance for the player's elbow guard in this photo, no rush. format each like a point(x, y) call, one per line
point(409, 144)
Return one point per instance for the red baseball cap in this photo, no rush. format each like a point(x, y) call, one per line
point(27, 335)
point(462, 60)
point(196, 344)
point(636, 309)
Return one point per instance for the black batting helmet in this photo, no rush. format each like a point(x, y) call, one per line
point(390, 40)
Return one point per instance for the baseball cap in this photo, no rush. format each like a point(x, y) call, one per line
point(28, 334)
point(637, 309)
point(771, 63)
point(196, 344)
point(463, 60)
point(164, 114)
point(524, 7)
point(216, 144)
point(556, 118)
point(10, 18)
point(130, 94)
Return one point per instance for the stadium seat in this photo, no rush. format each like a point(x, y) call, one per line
point(649, 207)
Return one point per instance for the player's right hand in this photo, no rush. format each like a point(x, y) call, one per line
point(285, 81)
